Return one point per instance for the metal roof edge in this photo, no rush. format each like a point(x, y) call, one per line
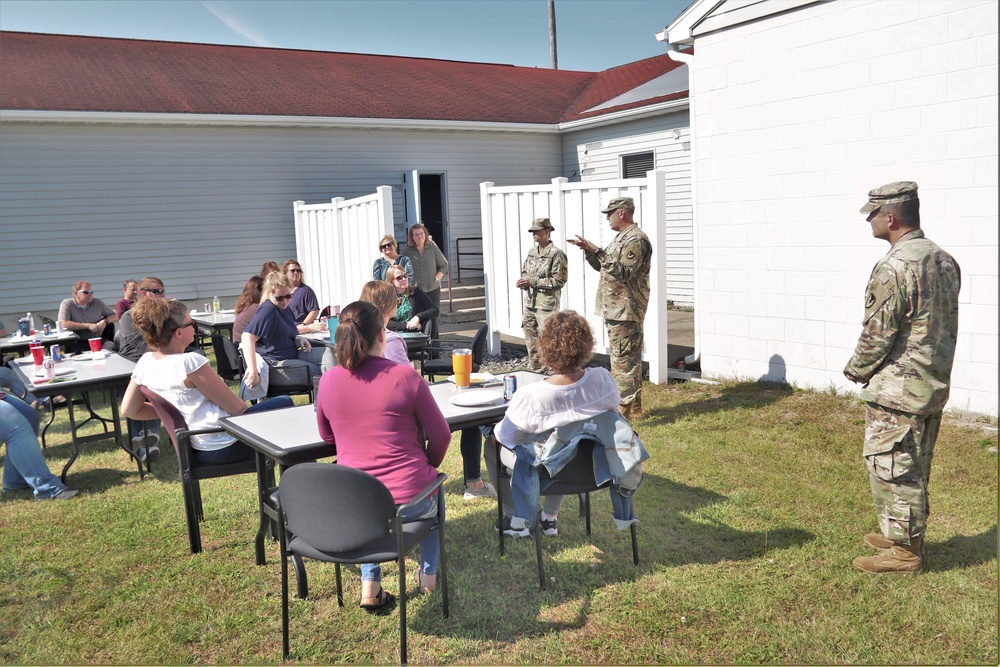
point(627, 114)
point(238, 120)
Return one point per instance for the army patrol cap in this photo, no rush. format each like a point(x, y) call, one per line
point(538, 224)
point(617, 203)
point(893, 193)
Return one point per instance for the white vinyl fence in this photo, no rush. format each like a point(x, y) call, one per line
point(574, 209)
point(336, 243)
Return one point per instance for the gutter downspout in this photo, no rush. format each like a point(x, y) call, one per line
point(676, 54)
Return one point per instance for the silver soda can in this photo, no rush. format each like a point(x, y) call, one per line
point(55, 352)
point(48, 368)
point(509, 386)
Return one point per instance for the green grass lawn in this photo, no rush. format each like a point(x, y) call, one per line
point(754, 505)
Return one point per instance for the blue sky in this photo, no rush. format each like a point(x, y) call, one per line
point(592, 34)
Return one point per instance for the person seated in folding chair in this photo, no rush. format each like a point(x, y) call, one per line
point(273, 334)
point(378, 414)
point(24, 465)
point(187, 381)
point(571, 397)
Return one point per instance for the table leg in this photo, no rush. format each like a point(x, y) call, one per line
point(72, 436)
point(262, 499)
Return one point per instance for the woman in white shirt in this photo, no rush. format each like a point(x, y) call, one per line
point(570, 394)
point(187, 381)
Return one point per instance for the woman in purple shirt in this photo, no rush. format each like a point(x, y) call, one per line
point(303, 306)
point(378, 414)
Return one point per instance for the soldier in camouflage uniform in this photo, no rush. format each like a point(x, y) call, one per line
point(622, 297)
point(904, 358)
point(542, 278)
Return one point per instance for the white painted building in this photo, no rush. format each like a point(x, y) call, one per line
point(798, 109)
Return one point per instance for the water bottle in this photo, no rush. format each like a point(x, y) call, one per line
point(31, 324)
point(215, 305)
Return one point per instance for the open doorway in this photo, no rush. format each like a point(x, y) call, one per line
point(425, 202)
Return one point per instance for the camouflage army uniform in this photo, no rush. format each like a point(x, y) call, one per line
point(904, 357)
point(545, 268)
point(622, 298)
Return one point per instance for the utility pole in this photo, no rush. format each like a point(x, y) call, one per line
point(553, 57)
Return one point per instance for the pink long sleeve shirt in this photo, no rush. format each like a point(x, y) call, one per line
point(379, 416)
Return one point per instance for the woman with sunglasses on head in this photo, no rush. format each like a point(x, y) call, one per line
point(273, 334)
point(390, 257)
point(304, 306)
point(187, 381)
point(413, 308)
point(383, 420)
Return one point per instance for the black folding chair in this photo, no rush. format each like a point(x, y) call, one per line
point(443, 366)
point(575, 478)
point(191, 472)
point(228, 361)
point(337, 514)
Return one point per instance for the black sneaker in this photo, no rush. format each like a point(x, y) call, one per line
point(548, 527)
point(508, 530)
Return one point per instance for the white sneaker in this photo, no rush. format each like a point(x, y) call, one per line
point(486, 492)
point(139, 439)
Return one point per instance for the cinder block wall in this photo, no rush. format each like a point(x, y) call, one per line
point(797, 116)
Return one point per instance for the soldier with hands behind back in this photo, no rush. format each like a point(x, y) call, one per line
point(904, 359)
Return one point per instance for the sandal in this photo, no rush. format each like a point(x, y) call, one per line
point(380, 601)
point(420, 584)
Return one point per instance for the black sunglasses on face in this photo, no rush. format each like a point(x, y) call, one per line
point(295, 270)
point(282, 298)
point(387, 245)
point(153, 290)
point(185, 326)
point(86, 291)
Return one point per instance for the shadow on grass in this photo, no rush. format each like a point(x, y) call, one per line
point(668, 537)
point(746, 395)
point(962, 551)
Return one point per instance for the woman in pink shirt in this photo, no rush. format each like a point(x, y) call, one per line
point(378, 414)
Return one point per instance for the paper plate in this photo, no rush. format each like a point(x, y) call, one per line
point(477, 378)
point(56, 372)
point(475, 398)
point(91, 356)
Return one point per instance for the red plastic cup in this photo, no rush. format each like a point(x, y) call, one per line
point(95, 344)
point(37, 354)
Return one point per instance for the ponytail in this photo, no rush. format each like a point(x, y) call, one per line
point(360, 324)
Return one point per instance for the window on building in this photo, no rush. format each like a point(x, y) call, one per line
point(636, 166)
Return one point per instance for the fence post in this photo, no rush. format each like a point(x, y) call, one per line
point(655, 326)
point(486, 211)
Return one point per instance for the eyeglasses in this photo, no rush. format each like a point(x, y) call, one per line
point(295, 270)
point(400, 279)
point(86, 291)
point(185, 326)
point(387, 245)
point(281, 298)
point(153, 290)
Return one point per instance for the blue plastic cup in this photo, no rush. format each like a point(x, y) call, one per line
point(332, 323)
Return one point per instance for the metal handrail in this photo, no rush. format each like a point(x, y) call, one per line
point(459, 253)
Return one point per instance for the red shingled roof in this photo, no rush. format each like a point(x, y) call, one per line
point(74, 73)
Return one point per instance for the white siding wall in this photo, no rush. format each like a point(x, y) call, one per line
point(797, 117)
point(595, 154)
point(203, 208)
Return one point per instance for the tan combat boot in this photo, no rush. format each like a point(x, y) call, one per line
point(897, 558)
point(636, 412)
